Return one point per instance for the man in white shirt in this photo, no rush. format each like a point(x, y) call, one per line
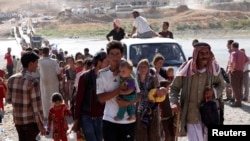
point(108, 89)
point(142, 27)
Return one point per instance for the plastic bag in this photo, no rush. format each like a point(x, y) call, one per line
point(72, 136)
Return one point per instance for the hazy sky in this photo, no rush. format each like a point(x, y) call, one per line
point(8, 5)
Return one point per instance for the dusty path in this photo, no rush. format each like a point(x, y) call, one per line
point(233, 116)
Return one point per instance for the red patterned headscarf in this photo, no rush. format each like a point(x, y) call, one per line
point(189, 68)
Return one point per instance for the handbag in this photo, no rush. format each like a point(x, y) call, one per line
point(71, 136)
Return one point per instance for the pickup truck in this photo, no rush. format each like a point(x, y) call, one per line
point(137, 49)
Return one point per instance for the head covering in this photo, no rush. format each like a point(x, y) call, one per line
point(60, 50)
point(135, 11)
point(189, 68)
point(117, 22)
point(53, 47)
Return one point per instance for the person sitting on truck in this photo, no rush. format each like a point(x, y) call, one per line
point(117, 32)
point(141, 26)
point(165, 33)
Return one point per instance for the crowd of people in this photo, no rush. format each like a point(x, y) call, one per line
point(108, 100)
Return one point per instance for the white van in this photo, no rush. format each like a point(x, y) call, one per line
point(137, 49)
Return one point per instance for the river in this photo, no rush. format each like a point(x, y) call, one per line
point(77, 45)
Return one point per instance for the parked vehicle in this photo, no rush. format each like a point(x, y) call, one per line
point(24, 29)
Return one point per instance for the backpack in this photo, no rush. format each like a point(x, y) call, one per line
point(209, 113)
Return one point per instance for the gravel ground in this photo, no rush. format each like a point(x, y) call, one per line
point(233, 116)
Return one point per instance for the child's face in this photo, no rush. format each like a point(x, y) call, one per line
point(78, 65)
point(125, 72)
point(161, 92)
point(57, 103)
point(70, 61)
point(62, 64)
point(170, 73)
point(143, 69)
point(159, 64)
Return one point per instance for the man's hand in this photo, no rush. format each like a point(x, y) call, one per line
point(43, 131)
point(123, 103)
point(75, 126)
point(123, 86)
point(176, 108)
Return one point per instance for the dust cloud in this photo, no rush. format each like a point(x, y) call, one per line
point(10, 5)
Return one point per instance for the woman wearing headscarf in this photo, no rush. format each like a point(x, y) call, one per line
point(148, 120)
point(117, 32)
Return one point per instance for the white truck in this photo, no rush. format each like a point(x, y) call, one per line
point(137, 49)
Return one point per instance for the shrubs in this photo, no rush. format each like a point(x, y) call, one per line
point(182, 8)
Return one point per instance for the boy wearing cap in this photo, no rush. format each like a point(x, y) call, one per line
point(117, 33)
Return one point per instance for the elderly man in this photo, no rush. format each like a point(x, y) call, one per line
point(142, 27)
point(187, 90)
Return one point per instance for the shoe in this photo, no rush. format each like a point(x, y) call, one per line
point(226, 99)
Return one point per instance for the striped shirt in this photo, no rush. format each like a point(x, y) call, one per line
point(24, 95)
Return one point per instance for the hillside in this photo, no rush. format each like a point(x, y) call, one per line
point(182, 19)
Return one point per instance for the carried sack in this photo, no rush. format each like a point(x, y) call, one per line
point(71, 136)
point(209, 113)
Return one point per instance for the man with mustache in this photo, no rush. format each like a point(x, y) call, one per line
point(188, 88)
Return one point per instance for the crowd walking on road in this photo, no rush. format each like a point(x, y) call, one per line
point(111, 99)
